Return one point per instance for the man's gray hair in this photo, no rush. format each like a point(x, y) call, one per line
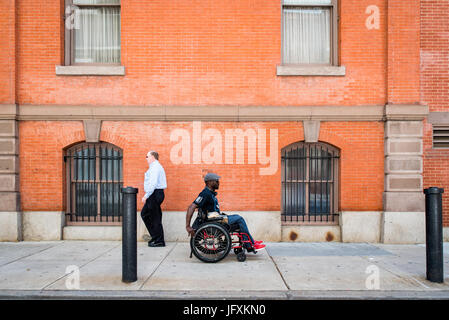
point(154, 154)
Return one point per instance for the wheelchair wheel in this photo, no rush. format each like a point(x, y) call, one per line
point(211, 242)
point(241, 256)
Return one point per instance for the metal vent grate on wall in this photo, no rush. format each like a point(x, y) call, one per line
point(441, 136)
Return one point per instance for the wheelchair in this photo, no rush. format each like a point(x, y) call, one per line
point(214, 238)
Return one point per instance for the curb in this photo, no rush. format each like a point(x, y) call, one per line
point(223, 295)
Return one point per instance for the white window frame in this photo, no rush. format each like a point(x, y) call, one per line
point(330, 69)
point(69, 67)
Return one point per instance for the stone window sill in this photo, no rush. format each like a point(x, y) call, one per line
point(90, 70)
point(301, 70)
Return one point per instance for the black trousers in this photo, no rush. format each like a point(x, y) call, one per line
point(152, 215)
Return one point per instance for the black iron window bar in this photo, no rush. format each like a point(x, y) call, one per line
point(310, 183)
point(94, 179)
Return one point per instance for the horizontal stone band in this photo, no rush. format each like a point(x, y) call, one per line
point(209, 113)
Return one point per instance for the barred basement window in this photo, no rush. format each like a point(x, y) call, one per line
point(94, 177)
point(441, 136)
point(310, 183)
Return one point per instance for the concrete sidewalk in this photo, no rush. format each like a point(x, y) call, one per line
point(283, 271)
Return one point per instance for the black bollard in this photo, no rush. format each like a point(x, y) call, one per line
point(434, 234)
point(129, 235)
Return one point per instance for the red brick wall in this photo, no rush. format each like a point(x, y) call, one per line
point(206, 52)
point(242, 186)
point(403, 51)
point(187, 52)
point(436, 170)
point(435, 54)
point(435, 90)
point(7, 52)
point(41, 162)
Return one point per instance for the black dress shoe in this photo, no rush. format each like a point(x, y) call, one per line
point(156, 244)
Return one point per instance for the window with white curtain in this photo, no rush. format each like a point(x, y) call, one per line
point(92, 32)
point(309, 30)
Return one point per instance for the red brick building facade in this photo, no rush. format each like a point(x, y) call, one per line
point(337, 149)
point(435, 92)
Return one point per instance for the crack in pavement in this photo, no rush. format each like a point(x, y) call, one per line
point(157, 267)
point(67, 274)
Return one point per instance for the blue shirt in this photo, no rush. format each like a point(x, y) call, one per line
point(154, 178)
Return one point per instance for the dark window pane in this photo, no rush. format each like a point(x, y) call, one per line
point(111, 198)
point(86, 199)
point(319, 202)
point(85, 164)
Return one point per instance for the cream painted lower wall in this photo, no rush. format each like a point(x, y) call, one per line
point(263, 225)
point(364, 226)
point(11, 226)
point(403, 227)
point(305, 233)
point(43, 225)
point(105, 233)
point(386, 227)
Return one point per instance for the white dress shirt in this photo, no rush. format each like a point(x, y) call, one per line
point(154, 178)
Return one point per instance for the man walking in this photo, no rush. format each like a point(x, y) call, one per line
point(154, 185)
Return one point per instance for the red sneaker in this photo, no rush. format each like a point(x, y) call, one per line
point(258, 247)
point(258, 242)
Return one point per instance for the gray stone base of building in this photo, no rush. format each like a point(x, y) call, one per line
point(403, 227)
point(43, 225)
point(11, 226)
point(10, 209)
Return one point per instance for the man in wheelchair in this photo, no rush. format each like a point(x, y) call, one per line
point(209, 210)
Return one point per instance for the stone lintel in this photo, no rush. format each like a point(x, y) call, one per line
point(201, 113)
point(311, 130)
point(92, 129)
